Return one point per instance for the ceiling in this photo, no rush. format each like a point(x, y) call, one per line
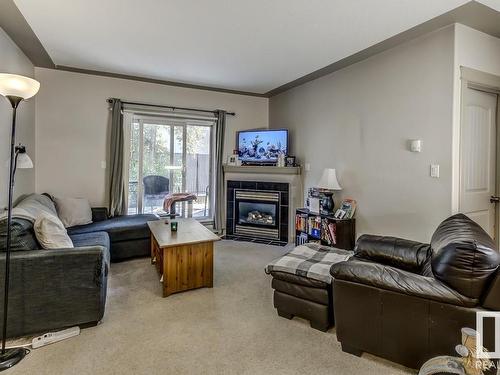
point(245, 45)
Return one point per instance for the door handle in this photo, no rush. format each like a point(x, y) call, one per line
point(494, 199)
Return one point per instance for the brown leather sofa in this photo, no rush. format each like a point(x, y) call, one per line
point(407, 301)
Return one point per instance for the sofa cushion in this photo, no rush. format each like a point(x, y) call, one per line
point(119, 228)
point(398, 252)
point(73, 211)
point(391, 278)
point(463, 255)
point(92, 239)
point(34, 205)
point(50, 233)
point(22, 238)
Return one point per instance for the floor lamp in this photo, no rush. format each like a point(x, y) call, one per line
point(15, 88)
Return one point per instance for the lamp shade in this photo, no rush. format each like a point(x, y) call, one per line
point(329, 180)
point(24, 161)
point(20, 86)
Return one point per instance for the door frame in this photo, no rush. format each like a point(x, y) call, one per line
point(489, 83)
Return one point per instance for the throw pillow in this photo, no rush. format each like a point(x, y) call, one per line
point(73, 211)
point(50, 233)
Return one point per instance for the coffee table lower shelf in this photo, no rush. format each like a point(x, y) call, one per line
point(183, 267)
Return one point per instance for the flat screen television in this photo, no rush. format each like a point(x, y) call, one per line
point(262, 146)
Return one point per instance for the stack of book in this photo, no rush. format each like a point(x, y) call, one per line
point(314, 226)
point(328, 232)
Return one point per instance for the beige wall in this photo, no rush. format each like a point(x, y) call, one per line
point(13, 61)
point(72, 121)
point(359, 119)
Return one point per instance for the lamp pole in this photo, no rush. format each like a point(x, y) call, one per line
point(10, 357)
point(14, 101)
point(15, 88)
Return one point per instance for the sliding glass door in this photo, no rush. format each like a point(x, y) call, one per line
point(169, 156)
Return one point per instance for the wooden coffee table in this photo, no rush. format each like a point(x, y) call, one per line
point(184, 259)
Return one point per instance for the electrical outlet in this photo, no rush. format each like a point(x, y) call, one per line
point(435, 170)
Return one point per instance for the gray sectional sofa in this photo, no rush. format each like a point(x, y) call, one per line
point(54, 289)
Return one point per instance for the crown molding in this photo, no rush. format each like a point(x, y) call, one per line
point(157, 81)
point(472, 14)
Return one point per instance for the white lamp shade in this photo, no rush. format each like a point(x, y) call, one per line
point(24, 161)
point(329, 180)
point(20, 86)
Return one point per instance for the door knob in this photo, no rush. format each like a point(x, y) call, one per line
point(494, 199)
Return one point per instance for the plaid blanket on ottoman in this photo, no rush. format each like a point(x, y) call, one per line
point(310, 260)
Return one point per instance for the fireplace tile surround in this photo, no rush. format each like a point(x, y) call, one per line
point(253, 177)
point(236, 231)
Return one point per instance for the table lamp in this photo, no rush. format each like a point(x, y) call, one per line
point(16, 89)
point(328, 183)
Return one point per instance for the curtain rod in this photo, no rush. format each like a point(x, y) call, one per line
point(171, 107)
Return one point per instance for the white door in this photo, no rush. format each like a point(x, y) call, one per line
point(478, 158)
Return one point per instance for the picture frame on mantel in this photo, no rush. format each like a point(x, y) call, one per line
point(232, 160)
point(290, 161)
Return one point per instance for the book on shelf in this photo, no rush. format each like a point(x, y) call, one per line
point(301, 222)
point(332, 230)
point(329, 232)
point(314, 226)
point(325, 234)
point(302, 238)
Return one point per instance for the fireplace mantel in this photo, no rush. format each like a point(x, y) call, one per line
point(258, 169)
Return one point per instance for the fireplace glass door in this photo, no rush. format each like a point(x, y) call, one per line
point(257, 213)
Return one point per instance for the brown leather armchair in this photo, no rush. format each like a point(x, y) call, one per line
point(407, 301)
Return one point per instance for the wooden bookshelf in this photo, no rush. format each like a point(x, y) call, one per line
point(324, 229)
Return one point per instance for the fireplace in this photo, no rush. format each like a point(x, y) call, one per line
point(257, 211)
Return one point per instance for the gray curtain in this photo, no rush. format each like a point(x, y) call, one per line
point(220, 128)
point(116, 198)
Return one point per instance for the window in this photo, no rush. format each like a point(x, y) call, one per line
point(169, 155)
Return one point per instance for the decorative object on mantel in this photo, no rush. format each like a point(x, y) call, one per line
point(328, 184)
point(468, 364)
point(15, 88)
point(231, 160)
point(234, 159)
point(290, 161)
point(281, 160)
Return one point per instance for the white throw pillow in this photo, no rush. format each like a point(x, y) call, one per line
point(50, 233)
point(73, 211)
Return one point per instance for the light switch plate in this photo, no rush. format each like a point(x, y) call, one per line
point(103, 164)
point(435, 170)
point(307, 166)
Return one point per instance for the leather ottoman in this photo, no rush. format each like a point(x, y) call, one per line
point(303, 297)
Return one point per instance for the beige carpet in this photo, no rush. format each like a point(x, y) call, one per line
point(230, 329)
